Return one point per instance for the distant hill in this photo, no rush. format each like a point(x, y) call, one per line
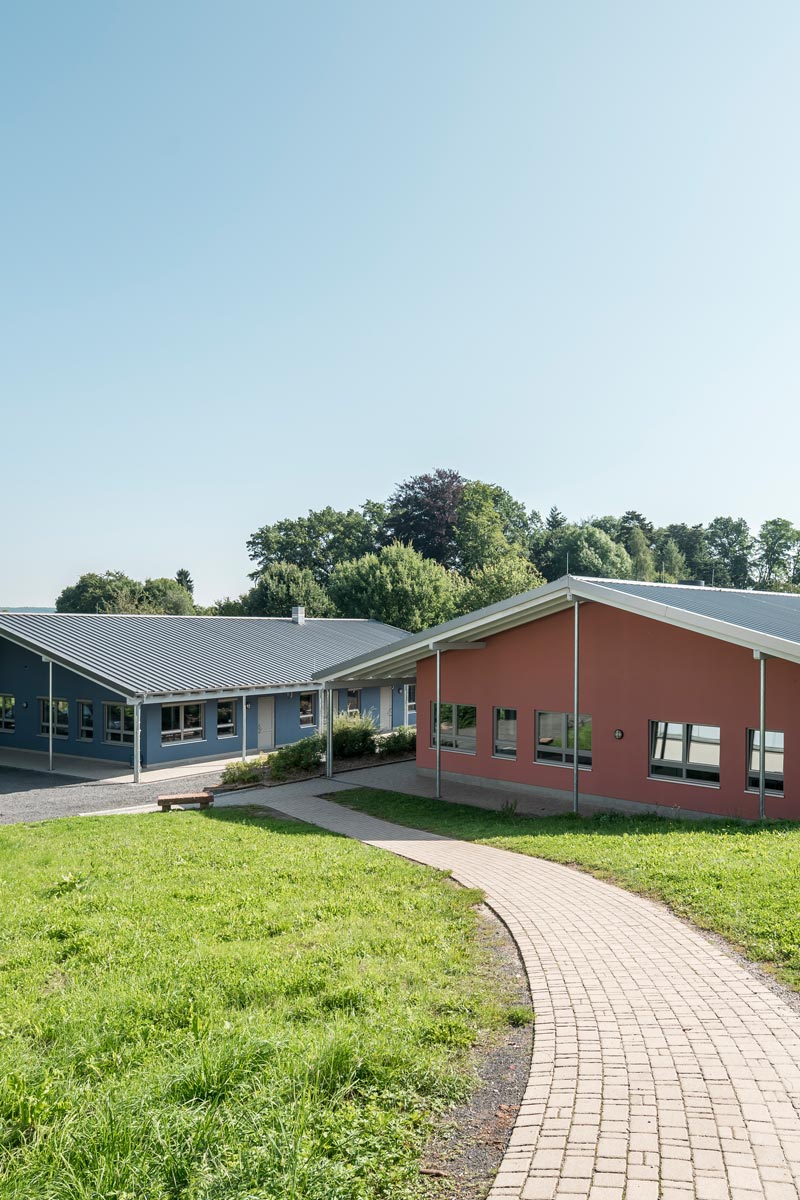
point(25, 608)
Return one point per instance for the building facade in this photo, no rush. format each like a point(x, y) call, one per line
point(668, 687)
point(177, 689)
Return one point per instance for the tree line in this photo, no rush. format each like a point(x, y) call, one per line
point(442, 545)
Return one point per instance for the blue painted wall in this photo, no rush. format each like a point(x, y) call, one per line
point(287, 719)
point(24, 676)
point(154, 754)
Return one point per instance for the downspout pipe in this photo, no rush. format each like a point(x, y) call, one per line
point(762, 737)
point(576, 709)
point(329, 732)
point(438, 724)
point(50, 720)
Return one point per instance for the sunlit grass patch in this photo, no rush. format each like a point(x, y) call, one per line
point(212, 1006)
point(739, 880)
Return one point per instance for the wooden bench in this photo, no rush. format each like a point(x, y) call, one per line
point(204, 799)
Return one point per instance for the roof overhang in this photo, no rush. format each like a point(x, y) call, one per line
point(401, 658)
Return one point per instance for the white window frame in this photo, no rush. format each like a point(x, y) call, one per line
point(8, 703)
point(770, 777)
point(305, 723)
point(83, 736)
point(185, 733)
point(44, 726)
point(683, 765)
point(546, 756)
point(225, 729)
point(453, 747)
point(411, 702)
point(122, 736)
point(352, 712)
point(497, 751)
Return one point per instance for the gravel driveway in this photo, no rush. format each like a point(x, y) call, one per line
point(36, 796)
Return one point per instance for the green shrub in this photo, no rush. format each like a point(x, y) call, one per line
point(252, 771)
point(353, 735)
point(402, 741)
point(302, 756)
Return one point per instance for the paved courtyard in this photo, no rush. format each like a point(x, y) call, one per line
point(662, 1068)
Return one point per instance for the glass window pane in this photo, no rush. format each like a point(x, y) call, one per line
point(466, 727)
point(584, 738)
point(306, 708)
point(667, 741)
point(551, 730)
point(773, 760)
point(170, 716)
point(505, 732)
point(703, 746)
point(446, 724)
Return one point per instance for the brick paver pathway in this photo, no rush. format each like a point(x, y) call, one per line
point(661, 1067)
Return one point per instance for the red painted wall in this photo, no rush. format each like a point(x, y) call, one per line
point(633, 670)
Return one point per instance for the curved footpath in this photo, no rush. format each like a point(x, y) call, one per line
point(662, 1068)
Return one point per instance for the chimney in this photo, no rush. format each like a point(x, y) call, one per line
point(299, 614)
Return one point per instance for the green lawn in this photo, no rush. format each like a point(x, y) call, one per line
point(742, 881)
point(199, 1007)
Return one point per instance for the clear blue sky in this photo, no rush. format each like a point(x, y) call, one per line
point(258, 258)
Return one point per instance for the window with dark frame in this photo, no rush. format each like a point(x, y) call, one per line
point(505, 733)
point(226, 718)
point(459, 727)
point(118, 723)
point(60, 718)
point(8, 721)
point(308, 714)
point(773, 760)
point(182, 723)
point(85, 720)
point(555, 738)
point(687, 752)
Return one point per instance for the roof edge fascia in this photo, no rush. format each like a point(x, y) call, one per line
point(669, 614)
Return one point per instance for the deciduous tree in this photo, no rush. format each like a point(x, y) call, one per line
point(423, 512)
point(397, 585)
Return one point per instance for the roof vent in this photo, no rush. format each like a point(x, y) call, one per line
point(692, 582)
point(299, 614)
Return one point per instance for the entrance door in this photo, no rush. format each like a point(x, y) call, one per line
point(266, 722)
point(386, 708)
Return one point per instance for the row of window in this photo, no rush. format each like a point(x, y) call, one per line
point(685, 752)
point(179, 722)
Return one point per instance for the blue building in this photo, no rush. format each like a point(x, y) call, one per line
point(153, 691)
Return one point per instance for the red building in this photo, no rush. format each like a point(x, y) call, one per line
point(676, 689)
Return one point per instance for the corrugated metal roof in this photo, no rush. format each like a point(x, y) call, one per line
point(160, 655)
point(766, 621)
point(776, 614)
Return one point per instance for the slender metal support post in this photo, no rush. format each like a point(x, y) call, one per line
point(762, 737)
point(137, 742)
point(438, 724)
point(329, 733)
point(576, 714)
point(244, 729)
point(50, 721)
